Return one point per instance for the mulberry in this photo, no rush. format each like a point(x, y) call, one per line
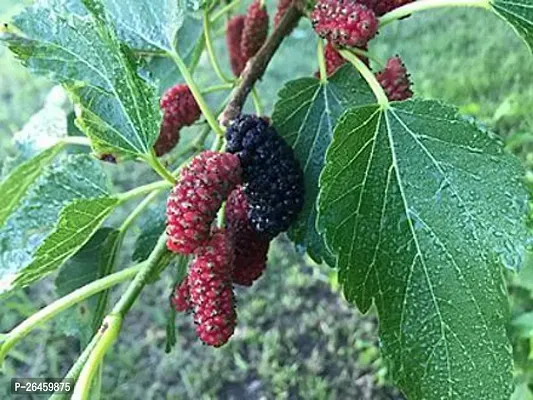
point(272, 175)
point(211, 291)
point(194, 201)
point(233, 41)
point(381, 7)
point(344, 23)
point(250, 248)
point(255, 30)
point(395, 80)
point(179, 109)
point(180, 299)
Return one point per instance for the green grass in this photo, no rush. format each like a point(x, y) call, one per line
point(297, 337)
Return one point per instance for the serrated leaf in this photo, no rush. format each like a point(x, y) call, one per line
point(32, 241)
point(421, 207)
point(190, 44)
point(118, 109)
point(305, 115)
point(19, 180)
point(519, 13)
point(147, 24)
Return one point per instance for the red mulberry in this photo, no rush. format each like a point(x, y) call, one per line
point(255, 29)
point(194, 201)
point(233, 41)
point(211, 291)
point(179, 109)
point(180, 296)
point(283, 6)
point(344, 23)
point(250, 248)
point(273, 178)
point(395, 80)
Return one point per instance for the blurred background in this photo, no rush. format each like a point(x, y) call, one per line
point(297, 338)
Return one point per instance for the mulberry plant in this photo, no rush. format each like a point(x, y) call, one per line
point(416, 207)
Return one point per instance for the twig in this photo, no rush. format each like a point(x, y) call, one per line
point(255, 68)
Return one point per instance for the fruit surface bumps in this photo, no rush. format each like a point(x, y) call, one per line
point(394, 79)
point(234, 30)
point(255, 30)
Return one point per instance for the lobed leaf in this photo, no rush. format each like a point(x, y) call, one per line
point(421, 207)
point(305, 115)
point(519, 13)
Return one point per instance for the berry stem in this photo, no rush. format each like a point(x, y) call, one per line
point(224, 10)
point(368, 55)
point(378, 91)
point(206, 111)
point(422, 5)
point(156, 165)
point(218, 88)
point(321, 61)
point(211, 50)
point(257, 102)
point(52, 309)
point(140, 190)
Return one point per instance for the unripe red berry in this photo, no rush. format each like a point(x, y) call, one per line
point(255, 29)
point(179, 109)
point(395, 80)
point(211, 291)
point(234, 30)
point(344, 23)
point(250, 248)
point(194, 201)
point(180, 296)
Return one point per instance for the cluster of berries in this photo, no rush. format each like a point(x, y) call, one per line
point(262, 185)
point(245, 34)
point(179, 109)
point(353, 23)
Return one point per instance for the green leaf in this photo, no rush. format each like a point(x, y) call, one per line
point(421, 207)
point(83, 268)
point(305, 115)
point(519, 13)
point(153, 224)
point(147, 24)
point(15, 186)
point(118, 109)
point(57, 213)
point(190, 44)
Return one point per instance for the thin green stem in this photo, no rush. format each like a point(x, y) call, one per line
point(211, 50)
point(77, 140)
point(140, 190)
point(48, 312)
point(422, 5)
point(109, 332)
point(381, 97)
point(156, 165)
point(110, 328)
point(224, 10)
point(368, 55)
point(257, 102)
point(321, 61)
point(206, 111)
point(218, 88)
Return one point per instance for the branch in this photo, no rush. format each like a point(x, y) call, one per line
point(255, 68)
